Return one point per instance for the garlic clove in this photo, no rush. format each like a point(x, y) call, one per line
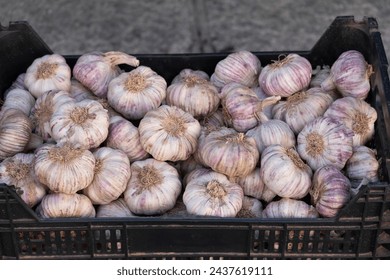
point(289, 208)
point(19, 99)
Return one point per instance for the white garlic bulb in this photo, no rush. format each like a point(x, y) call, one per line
point(284, 172)
point(330, 190)
point(242, 67)
point(169, 133)
point(17, 84)
point(213, 195)
point(61, 205)
point(123, 135)
point(251, 208)
point(19, 99)
point(195, 174)
point(112, 172)
point(228, 152)
point(289, 208)
point(34, 142)
point(79, 92)
point(117, 208)
point(84, 124)
point(362, 164)
point(302, 107)
point(96, 70)
point(357, 115)
point(153, 188)
point(194, 93)
point(252, 184)
point(325, 141)
point(64, 168)
point(320, 74)
point(287, 76)
point(350, 75)
point(49, 72)
point(135, 93)
point(15, 131)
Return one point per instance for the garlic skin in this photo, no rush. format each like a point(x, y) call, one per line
point(79, 92)
point(302, 107)
point(112, 172)
point(287, 76)
point(49, 72)
point(229, 152)
point(188, 165)
point(61, 205)
point(330, 190)
point(169, 133)
point(15, 131)
point(252, 184)
point(153, 188)
point(64, 169)
point(284, 172)
point(96, 70)
point(289, 208)
point(350, 75)
point(123, 135)
point(242, 67)
point(17, 84)
point(213, 195)
point(194, 93)
point(84, 124)
point(135, 93)
point(195, 174)
point(362, 164)
point(34, 142)
point(267, 110)
point(355, 114)
point(251, 208)
point(320, 74)
point(213, 121)
point(19, 99)
point(115, 209)
point(325, 141)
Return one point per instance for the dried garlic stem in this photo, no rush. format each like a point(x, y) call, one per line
point(215, 189)
point(279, 63)
point(295, 99)
point(295, 158)
point(64, 153)
point(192, 81)
point(116, 58)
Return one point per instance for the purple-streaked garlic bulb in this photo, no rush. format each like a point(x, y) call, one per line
point(200, 171)
point(261, 95)
point(252, 184)
point(287, 76)
point(79, 92)
point(18, 83)
point(213, 121)
point(350, 75)
point(96, 70)
point(362, 164)
point(357, 115)
point(251, 208)
point(330, 190)
point(289, 208)
point(242, 67)
point(325, 141)
point(117, 208)
point(19, 99)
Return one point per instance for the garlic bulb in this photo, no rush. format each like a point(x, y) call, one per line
point(267, 110)
point(188, 165)
point(242, 67)
point(289, 208)
point(61, 205)
point(84, 124)
point(302, 107)
point(284, 172)
point(213, 195)
point(355, 114)
point(49, 72)
point(287, 76)
point(194, 93)
point(330, 190)
point(123, 135)
point(350, 75)
point(15, 131)
point(112, 172)
point(135, 93)
point(96, 70)
point(252, 184)
point(17, 84)
point(169, 133)
point(320, 74)
point(153, 188)
point(19, 99)
point(34, 142)
point(229, 152)
point(18, 171)
point(325, 141)
point(79, 92)
point(251, 208)
point(213, 121)
point(267, 194)
point(44, 107)
point(179, 210)
point(117, 208)
point(362, 164)
point(64, 168)
point(195, 174)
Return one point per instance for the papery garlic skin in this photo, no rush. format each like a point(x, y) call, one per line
point(320, 74)
point(252, 184)
point(289, 208)
point(330, 190)
point(19, 99)
point(96, 70)
point(135, 93)
point(34, 142)
point(261, 95)
point(362, 164)
point(284, 172)
point(49, 72)
point(169, 133)
point(17, 84)
point(325, 141)
point(195, 174)
point(251, 208)
point(350, 75)
point(61, 205)
point(117, 208)
point(213, 121)
point(153, 188)
point(79, 92)
point(287, 76)
point(213, 195)
point(242, 67)
point(357, 115)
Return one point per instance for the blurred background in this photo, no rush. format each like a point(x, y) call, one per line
point(187, 26)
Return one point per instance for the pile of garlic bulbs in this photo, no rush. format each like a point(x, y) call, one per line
point(95, 141)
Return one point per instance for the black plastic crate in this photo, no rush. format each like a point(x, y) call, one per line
point(360, 231)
